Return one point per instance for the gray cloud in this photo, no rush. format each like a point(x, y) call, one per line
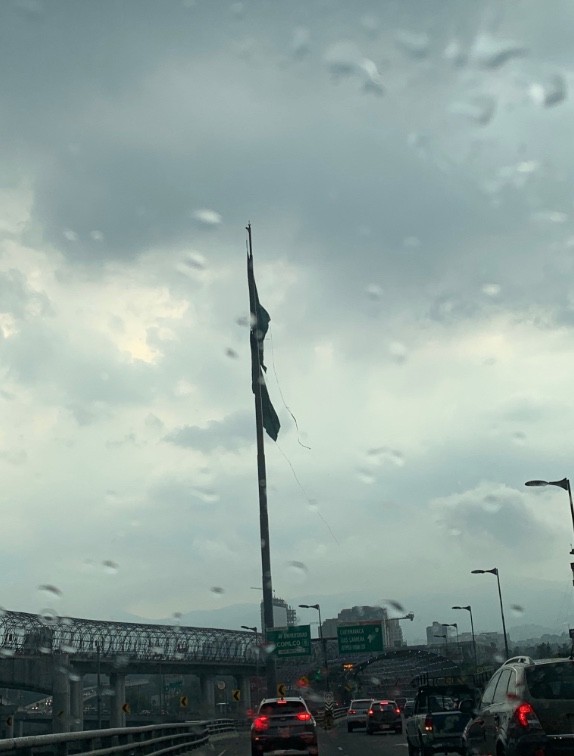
point(233, 432)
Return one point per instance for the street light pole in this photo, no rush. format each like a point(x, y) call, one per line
point(445, 636)
point(468, 608)
point(98, 686)
point(494, 571)
point(321, 638)
point(254, 630)
point(565, 484)
point(453, 624)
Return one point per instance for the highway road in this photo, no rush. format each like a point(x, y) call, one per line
point(337, 742)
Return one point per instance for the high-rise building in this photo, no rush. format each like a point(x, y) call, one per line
point(436, 634)
point(283, 614)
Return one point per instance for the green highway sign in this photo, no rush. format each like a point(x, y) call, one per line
point(358, 639)
point(290, 641)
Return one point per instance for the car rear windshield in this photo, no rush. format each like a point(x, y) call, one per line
point(551, 681)
point(383, 707)
point(272, 708)
point(361, 703)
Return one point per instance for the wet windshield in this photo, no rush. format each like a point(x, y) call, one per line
point(286, 326)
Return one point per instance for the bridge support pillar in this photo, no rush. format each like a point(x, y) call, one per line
point(76, 704)
point(61, 694)
point(244, 685)
point(118, 716)
point(208, 694)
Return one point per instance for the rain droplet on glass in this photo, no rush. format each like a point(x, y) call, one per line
point(96, 236)
point(70, 235)
point(50, 591)
point(297, 572)
point(231, 353)
point(374, 292)
point(195, 260)
point(366, 476)
point(491, 289)
point(454, 53)
point(372, 81)
point(48, 617)
point(415, 44)
point(370, 24)
point(517, 610)
point(393, 604)
point(206, 217)
point(550, 92)
point(217, 590)
point(480, 109)
point(110, 567)
point(490, 52)
point(300, 42)
point(491, 504)
point(398, 352)
point(207, 495)
point(342, 59)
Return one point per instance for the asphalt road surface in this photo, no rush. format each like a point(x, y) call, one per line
point(336, 742)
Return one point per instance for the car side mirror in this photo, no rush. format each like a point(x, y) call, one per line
point(466, 706)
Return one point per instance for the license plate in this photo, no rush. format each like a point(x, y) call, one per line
point(386, 726)
point(283, 732)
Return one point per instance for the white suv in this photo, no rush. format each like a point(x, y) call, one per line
point(357, 713)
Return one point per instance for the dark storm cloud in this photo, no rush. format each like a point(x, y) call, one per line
point(234, 431)
point(331, 169)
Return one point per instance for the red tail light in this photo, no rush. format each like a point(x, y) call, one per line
point(526, 716)
point(370, 713)
point(304, 716)
point(261, 723)
point(351, 711)
point(397, 711)
point(428, 723)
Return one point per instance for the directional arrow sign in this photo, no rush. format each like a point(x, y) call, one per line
point(183, 702)
point(281, 690)
point(360, 639)
point(126, 708)
point(236, 695)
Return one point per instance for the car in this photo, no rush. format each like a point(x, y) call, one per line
point(286, 725)
point(526, 709)
point(357, 713)
point(384, 716)
point(409, 708)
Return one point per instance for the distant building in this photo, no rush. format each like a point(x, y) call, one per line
point(283, 614)
point(392, 632)
point(436, 633)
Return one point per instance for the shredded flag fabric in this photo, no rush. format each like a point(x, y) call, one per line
point(259, 326)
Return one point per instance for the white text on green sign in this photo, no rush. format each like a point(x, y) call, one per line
point(290, 641)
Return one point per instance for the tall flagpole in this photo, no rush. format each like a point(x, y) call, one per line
point(261, 474)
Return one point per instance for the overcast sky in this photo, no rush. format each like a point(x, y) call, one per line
point(406, 166)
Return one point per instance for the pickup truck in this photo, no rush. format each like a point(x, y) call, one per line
point(439, 718)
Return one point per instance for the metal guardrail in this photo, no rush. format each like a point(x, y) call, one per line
point(337, 713)
point(154, 740)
